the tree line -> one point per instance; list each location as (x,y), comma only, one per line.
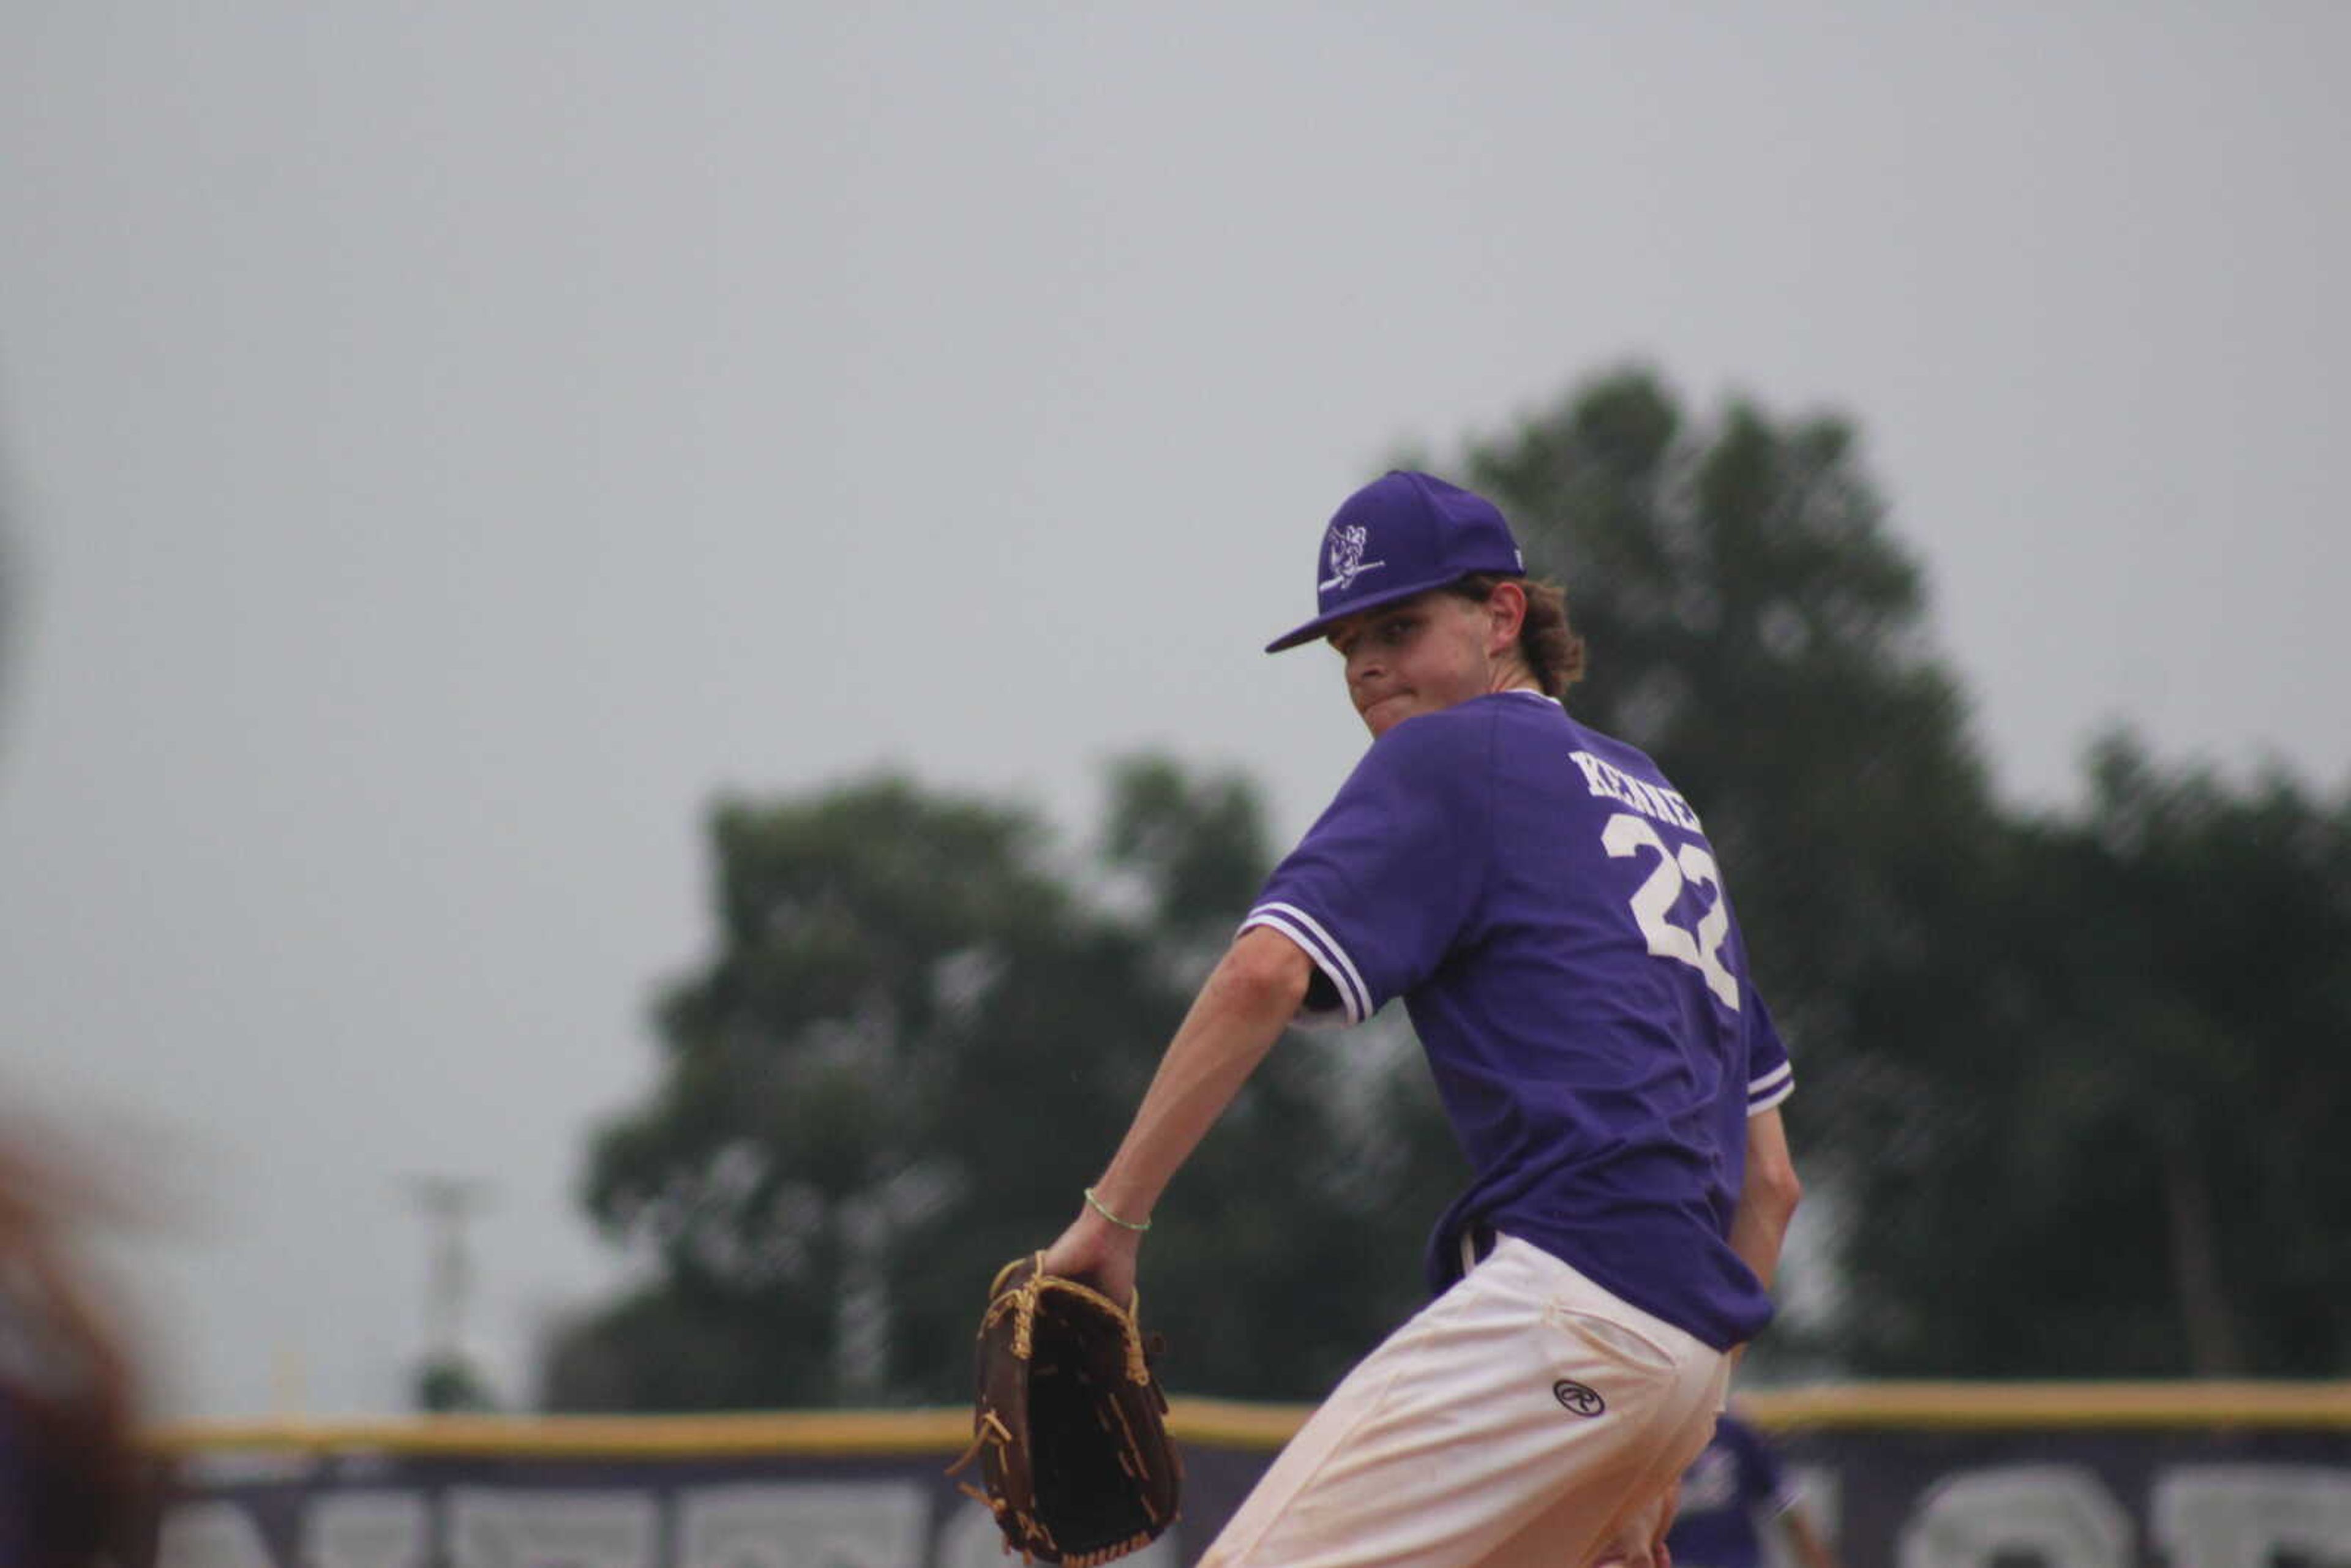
(2071,1082)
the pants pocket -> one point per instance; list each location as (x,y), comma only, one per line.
(1617,1344)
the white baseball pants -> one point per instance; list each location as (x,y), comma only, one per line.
(1525,1418)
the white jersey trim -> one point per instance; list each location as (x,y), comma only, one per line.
(1768,1091)
(1302,928)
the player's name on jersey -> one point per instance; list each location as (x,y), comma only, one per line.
(1649,800)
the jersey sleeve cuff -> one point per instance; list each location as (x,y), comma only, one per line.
(1354,997)
(1768,1091)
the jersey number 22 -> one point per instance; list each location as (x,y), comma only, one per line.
(1653,902)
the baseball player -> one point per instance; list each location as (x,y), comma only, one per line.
(1549,909)
(1734,1488)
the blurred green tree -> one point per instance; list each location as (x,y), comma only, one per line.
(915,1041)
(2140,1171)
(451,1384)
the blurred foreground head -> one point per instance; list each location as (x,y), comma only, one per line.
(74,1487)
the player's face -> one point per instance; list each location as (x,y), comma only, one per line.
(1415,657)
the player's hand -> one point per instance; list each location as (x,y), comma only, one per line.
(1641,1543)
(1668,1507)
(1097,1252)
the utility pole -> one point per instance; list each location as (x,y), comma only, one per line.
(447,1379)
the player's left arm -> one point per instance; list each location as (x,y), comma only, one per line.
(1768,1196)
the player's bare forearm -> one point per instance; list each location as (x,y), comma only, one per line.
(1242,1009)
(1767,1197)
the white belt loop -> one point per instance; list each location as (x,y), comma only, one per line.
(1468,1247)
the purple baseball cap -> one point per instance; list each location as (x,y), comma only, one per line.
(1404,533)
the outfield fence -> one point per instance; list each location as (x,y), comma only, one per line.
(1922,1475)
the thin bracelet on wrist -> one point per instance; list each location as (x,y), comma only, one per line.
(1096,1204)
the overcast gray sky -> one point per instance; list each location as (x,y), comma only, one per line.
(446,443)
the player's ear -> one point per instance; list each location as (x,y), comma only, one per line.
(1506,612)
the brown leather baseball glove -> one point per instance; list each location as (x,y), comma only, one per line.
(1069,1423)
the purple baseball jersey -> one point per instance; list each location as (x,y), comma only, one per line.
(1549,909)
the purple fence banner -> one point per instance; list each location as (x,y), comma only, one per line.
(1897,1476)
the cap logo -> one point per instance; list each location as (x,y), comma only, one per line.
(1347,562)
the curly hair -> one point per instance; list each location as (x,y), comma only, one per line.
(1553,652)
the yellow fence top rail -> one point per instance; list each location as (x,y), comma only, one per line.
(1941,1406)
(2028,1406)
